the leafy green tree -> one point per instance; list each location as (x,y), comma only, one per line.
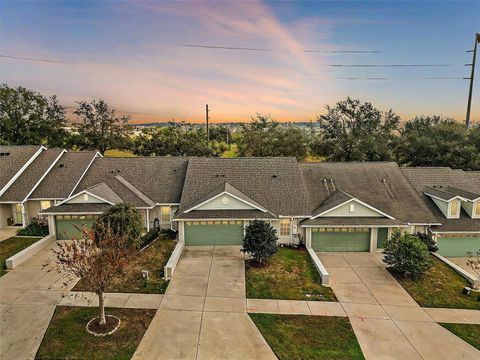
(407,255)
(260,241)
(356,131)
(437,141)
(102,128)
(264,136)
(29,118)
(177,139)
(124,220)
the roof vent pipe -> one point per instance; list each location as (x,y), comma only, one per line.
(326,186)
(333,184)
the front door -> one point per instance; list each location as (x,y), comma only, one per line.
(17,214)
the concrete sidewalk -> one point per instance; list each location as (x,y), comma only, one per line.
(387,321)
(203,313)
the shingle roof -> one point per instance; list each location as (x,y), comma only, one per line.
(17,157)
(77,208)
(26,182)
(379,184)
(103,191)
(158,178)
(421,177)
(225,214)
(227,187)
(352,221)
(441,193)
(63,177)
(274,182)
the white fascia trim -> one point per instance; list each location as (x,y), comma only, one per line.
(455,232)
(72,213)
(221,194)
(167,204)
(349,226)
(97,154)
(10,202)
(22,169)
(42,199)
(360,202)
(222,219)
(447,201)
(424,224)
(45,174)
(84,192)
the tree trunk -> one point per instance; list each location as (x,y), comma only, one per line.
(101,307)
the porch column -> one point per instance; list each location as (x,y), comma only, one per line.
(308,237)
(24,215)
(51,224)
(373,239)
(181,231)
(148,220)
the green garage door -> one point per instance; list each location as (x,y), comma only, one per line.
(458,246)
(214,233)
(66,226)
(351,240)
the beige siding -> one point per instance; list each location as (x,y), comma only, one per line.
(359,210)
(5,213)
(225,202)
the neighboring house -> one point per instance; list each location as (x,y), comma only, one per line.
(355,206)
(220,196)
(453,196)
(152,184)
(34,177)
(328,206)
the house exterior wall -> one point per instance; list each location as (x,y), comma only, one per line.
(5,213)
(85,198)
(359,210)
(442,205)
(33,208)
(225,202)
(156,213)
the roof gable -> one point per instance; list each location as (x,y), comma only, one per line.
(226,197)
(97,194)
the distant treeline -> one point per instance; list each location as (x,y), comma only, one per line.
(351,130)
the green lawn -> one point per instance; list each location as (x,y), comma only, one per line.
(468,332)
(12,246)
(67,338)
(154,258)
(440,286)
(308,337)
(289,275)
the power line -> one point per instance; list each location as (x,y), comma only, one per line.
(267,49)
(387,65)
(30,58)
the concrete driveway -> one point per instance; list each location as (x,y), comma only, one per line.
(8,232)
(388,323)
(28,295)
(203,313)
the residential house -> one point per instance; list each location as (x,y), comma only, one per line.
(453,196)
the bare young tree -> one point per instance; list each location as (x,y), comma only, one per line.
(96,260)
(473,262)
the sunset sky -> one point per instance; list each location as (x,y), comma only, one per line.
(130,54)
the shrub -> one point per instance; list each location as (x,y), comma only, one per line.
(407,255)
(169,233)
(427,240)
(260,241)
(149,236)
(37,227)
(124,220)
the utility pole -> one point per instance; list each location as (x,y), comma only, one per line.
(470,91)
(206,119)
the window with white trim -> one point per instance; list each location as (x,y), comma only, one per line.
(45,204)
(454,208)
(165,213)
(476,207)
(285,227)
